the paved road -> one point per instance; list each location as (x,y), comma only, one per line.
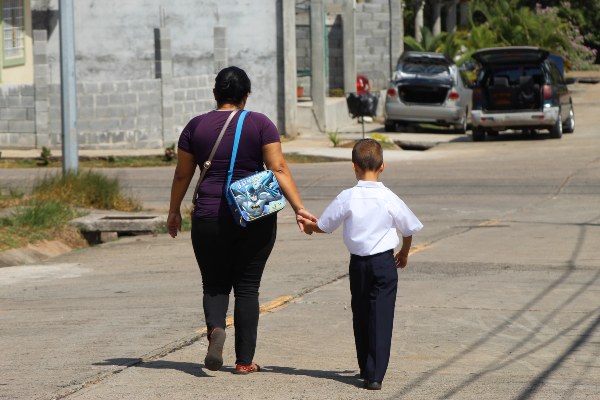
(501,301)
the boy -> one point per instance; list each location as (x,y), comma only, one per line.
(371,213)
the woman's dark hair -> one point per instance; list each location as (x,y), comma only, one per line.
(231,86)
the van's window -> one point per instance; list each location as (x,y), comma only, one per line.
(556,75)
(514,74)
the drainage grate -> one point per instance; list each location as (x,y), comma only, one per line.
(414,145)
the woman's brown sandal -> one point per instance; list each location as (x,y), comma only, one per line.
(246,369)
(214,356)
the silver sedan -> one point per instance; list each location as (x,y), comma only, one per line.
(427,88)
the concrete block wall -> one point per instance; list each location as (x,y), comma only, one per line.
(115,40)
(334,49)
(17,116)
(117,114)
(372,42)
(193,96)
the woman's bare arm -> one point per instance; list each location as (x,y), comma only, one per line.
(184,171)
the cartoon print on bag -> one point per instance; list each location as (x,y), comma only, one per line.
(254,197)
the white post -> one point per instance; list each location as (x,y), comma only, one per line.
(68,84)
(419,10)
(349,36)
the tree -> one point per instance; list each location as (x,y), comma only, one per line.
(450,44)
(582,15)
(514,22)
(428,42)
(522,26)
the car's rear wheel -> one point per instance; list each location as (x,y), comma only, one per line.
(390,126)
(478,134)
(462,128)
(557,130)
(569,126)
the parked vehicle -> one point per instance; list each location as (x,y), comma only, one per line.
(520,88)
(427,88)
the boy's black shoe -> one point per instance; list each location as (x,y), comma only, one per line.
(372,385)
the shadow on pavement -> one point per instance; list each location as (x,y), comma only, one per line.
(194,369)
(338,376)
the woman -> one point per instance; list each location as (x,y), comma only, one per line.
(230,256)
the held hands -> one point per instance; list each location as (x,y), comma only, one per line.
(304,219)
(309,226)
(174,223)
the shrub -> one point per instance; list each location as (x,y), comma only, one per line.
(170,153)
(334,138)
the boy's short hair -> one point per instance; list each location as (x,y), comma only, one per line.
(367,155)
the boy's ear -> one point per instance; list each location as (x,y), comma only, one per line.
(382,167)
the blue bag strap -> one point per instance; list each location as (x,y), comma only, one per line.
(236,142)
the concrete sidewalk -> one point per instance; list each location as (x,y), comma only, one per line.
(309,143)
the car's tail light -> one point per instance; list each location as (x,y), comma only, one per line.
(477,95)
(454,96)
(547,92)
(392,92)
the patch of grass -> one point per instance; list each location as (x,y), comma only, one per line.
(41,214)
(37,220)
(384,141)
(10,197)
(86,189)
(45,214)
(92,162)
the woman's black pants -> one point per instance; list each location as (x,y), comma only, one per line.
(233,257)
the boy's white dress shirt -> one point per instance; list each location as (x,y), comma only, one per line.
(371,213)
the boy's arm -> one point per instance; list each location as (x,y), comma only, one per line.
(402,255)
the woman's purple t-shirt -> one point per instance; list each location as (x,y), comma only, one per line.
(199,137)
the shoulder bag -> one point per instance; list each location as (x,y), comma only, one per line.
(255,196)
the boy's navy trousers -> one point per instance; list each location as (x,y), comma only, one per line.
(373,285)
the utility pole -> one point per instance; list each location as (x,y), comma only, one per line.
(68,84)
